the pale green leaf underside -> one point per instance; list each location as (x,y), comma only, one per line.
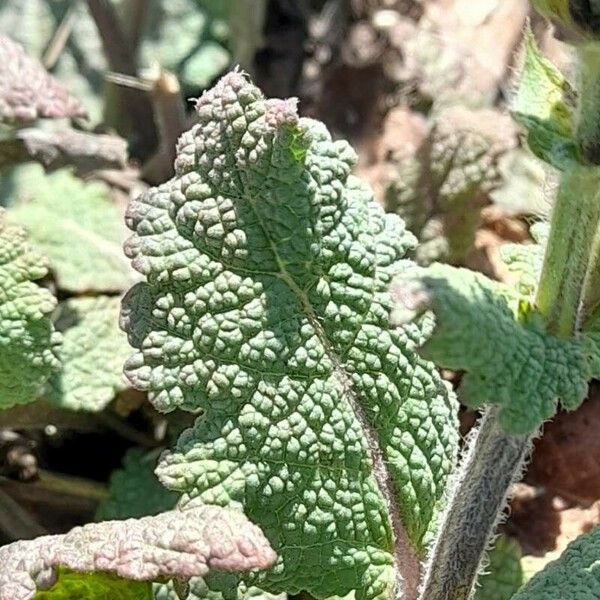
(490,331)
(503,575)
(543,104)
(92,354)
(80,229)
(134,490)
(266,301)
(28,342)
(574,575)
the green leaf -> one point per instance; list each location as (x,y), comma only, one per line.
(575,575)
(95,586)
(526,260)
(175,544)
(544,105)
(440,188)
(492,332)
(216,586)
(79,228)
(134,490)
(503,575)
(92,354)
(266,306)
(28,342)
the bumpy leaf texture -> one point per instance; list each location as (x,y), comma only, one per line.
(575,575)
(493,333)
(135,491)
(80,229)
(174,544)
(27,91)
(28,342)
(92,354)
(266,306)
(217,586)
(440,189)
(503,575)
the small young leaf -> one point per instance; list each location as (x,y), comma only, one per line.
(28,342)
(492,332)
(575,575)
(173,544)
(92,354)
(79,228)
(525,260)
(544,105)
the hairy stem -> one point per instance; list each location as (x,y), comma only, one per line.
(570,248)
(588,127)
(493,461)
(588,137)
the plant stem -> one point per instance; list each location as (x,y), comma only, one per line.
(588,127)
(588,137)
(570,250)
(493,461)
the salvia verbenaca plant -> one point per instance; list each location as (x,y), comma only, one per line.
(279,303)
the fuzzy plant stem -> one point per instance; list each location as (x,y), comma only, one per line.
(494,459)
(588,127)
(570,251)
(588,138)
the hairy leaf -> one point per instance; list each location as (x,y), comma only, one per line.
(27,91)
(440,189)
(134,490)
(524,189)
(576,574)
(544,105)
(79,228)
(173,544)
(526,260)
(28,342)
(503,575)
(216,586)
(92,354)
(266,306)
(492,332)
